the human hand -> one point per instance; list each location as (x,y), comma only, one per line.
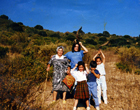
(80,43)
(48,69)
(85,64)
(76,65)
(51,56)
(99,51)
(68,71)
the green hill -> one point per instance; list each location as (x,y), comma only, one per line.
(25,51)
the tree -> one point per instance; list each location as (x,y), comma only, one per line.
(126,36)
(3,51)
(70,37)
(42,33)
(16,27)
(106,34)
(39,27)
(4,17)
(100,34)
(91,41)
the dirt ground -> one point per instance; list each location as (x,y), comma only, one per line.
(122,91)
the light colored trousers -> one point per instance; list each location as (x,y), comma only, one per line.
(92,87)
(101,85)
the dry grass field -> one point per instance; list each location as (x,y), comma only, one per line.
(122,91)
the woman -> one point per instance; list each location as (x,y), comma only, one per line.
(61,66)
(75,56)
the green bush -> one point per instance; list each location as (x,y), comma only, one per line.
(129,57)
(55,35)
(16,49)
(3,51)
(91,41)
(123,67)
(137,71)
(4,17)
(42,33)
(39,27)
(70,37)
(106,33)
(16,27)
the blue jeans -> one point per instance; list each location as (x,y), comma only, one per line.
(92,87)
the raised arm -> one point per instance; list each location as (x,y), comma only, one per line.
(74,67)
(103,57)
(96,55)
(87,69)
(85,49)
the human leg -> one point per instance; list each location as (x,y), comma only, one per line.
(104,89)
(64,97)
(87,102)
(94,94)
(99,93)
(75,102)
(54,95)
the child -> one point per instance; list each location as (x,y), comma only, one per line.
(82,87)
(92,85)
(101,81)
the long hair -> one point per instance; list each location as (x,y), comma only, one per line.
(79,48)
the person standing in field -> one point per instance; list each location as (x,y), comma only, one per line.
(102,80)
(82,91)
(61,69)
(92,84)
(75,56)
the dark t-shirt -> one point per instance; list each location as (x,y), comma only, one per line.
(91,77)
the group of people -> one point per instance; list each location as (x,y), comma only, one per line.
(87,80)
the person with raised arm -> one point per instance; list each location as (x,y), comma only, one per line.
(102,80)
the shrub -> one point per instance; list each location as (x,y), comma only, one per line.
(31,31)
(123,67)
(70,37)
(15,49)
(4,17)
(129,57)
(106,33)
(100,34)
(42,33)
(56,35)
(16,27)
(3,51)
(91,41)
(39,27)
(137,71)
(102,40)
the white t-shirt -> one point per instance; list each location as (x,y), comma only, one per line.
(57,57)
(101,69)
(79,76)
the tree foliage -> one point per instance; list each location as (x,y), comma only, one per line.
(4,17)
(39,27)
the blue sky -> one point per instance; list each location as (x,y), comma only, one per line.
(120,17)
